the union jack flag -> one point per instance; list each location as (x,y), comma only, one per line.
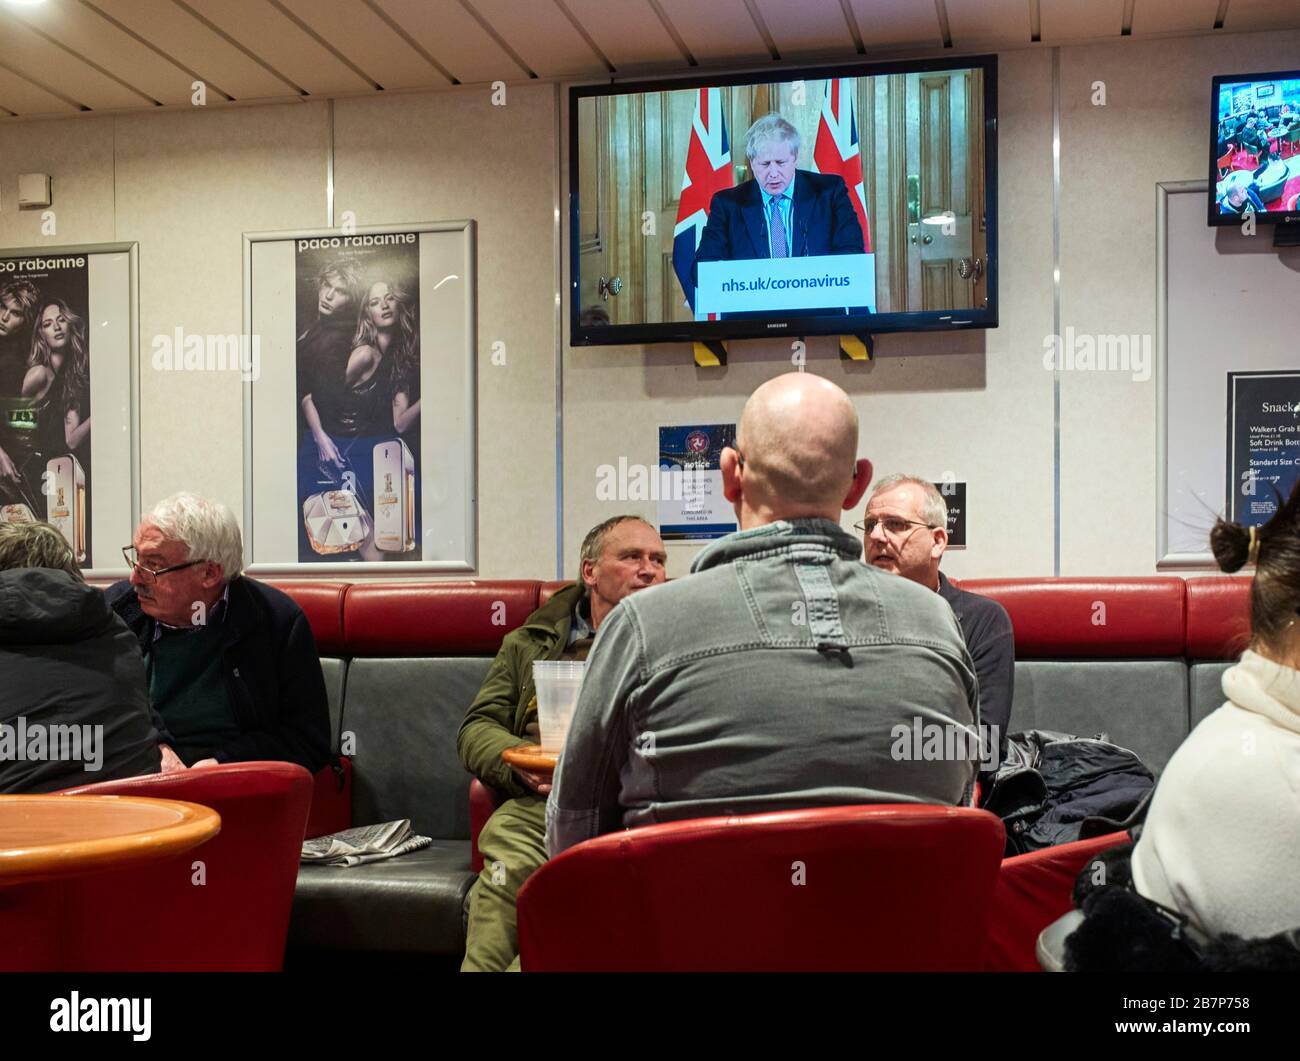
(836,149)
(708,169)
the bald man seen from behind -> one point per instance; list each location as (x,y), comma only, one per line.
(784,672)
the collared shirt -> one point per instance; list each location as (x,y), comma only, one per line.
(218,616)
(787,209)
(581,626)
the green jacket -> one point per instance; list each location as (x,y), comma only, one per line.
(506,703)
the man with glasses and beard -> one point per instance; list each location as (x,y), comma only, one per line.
(232,665)
(905,533)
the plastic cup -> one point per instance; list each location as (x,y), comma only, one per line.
(557,682)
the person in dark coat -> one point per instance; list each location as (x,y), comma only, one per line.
(75,708)
(232,663)
(906,533)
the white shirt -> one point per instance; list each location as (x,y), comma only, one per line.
(1222,839)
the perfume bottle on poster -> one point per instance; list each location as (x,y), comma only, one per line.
(65,501)
(336,522)
(394,497)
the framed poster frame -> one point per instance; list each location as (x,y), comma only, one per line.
(1208,280)
(120,386)
(458,483)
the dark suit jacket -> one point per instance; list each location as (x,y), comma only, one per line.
(271,670)
(823,221)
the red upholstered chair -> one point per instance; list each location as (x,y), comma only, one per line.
(331,799)
(159,917)
(1033,891)
(883,887)
(483,801)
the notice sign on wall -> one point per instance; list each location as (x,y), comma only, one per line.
(691,505)
(1263,443)
(954,496)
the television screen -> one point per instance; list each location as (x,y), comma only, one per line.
(1255,148)
(831,200)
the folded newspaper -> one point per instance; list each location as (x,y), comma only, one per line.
(367,843)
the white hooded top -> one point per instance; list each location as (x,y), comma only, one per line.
(1222,839)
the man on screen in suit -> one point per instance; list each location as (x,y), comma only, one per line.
(781,212)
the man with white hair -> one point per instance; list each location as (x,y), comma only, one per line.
(781,211)
(780,674)
(232,664)
(905,533)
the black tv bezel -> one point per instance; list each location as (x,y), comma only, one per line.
(794,326)
(1266,217)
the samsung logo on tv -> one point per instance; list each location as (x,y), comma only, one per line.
(779,324)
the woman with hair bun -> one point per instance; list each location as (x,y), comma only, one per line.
(1221,843)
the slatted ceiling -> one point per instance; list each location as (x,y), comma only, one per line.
(1244,16)
(991,20)
(173,30)
(894,23)
(354,31)
(629,33)
(716,31)
(1072,20)
(80,28)
(280,43)
(20,96)
(813,27)
(456,39)
(1173,16)
(125,54)
(543,37)
(30,54)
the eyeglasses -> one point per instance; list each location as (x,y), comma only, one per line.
(895,526)
(148,573)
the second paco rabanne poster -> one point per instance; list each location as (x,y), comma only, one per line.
(358,402)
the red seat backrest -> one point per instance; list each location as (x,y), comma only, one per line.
(1218,617)
(1090,618)
(322,603)
(883,887)
(160,917)
(547,590)
(434,618)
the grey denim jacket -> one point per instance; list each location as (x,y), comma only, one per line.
(783,673)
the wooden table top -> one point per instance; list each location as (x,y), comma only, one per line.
(531,757)
(46,837)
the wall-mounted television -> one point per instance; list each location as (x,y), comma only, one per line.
(1255,149)
(817,201)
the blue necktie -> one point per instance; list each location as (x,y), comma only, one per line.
(779,249)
